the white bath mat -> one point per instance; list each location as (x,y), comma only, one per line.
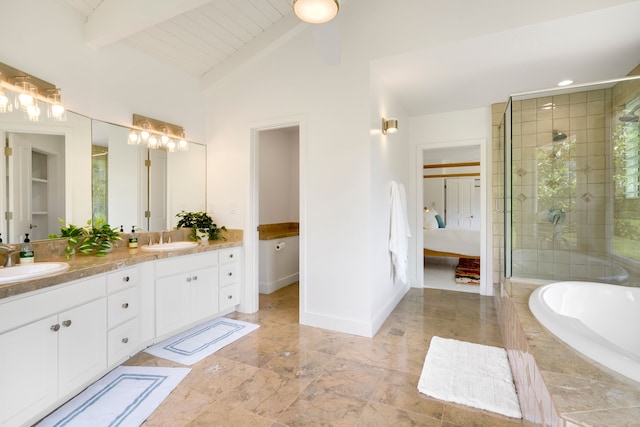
(200,341)
(125,396)
(470,374)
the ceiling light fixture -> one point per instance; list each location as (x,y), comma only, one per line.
(316,11)
(565,83)
(389,126)
(157,134)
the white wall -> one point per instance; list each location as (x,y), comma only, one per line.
(279,168)
(447,130)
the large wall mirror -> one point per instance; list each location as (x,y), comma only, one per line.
(83,169)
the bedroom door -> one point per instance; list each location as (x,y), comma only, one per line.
(462,203)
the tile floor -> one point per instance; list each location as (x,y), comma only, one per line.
(286,374)
(439,273)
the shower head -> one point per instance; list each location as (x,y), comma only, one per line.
(559,136)
(629,117)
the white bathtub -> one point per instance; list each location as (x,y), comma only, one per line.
(598,320)
(566,265)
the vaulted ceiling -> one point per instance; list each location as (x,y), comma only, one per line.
(210,38)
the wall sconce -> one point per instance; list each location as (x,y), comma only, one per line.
(389,126)
(157,135)
(27,91)
(316,11)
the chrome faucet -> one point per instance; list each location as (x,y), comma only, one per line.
(162,236)
(10,250)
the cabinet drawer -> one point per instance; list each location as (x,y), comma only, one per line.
(229,255)
(229,274)
(122,306)
(122,279)
(123,341)
(185,264)
(229,297)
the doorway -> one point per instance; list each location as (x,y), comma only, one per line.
(451,185)
(277,211)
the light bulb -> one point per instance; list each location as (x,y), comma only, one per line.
(133,138)
(26,100)
(171,146)
(4,103)
(164,139)
(144,135)
(182,145)
(153,142)
(56,112)
(33,113)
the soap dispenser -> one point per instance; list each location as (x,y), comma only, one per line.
(133,239)
(26,252)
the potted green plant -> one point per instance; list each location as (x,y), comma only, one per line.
(97,238)
(201,224)
(72,233)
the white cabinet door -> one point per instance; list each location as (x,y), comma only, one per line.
(204,293)
(172,303)
(82,344)
(28,371)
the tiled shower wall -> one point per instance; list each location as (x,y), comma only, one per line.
(584,118)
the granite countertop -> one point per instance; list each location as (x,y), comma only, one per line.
(583,391)
(82,266)
(278,230)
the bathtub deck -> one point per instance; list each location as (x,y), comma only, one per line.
(559,386)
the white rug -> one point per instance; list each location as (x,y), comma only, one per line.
(125,396)
(470,374)
(200,341)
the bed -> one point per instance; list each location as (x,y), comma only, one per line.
(452,242)
(442,241)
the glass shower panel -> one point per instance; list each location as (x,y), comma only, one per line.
(575,193)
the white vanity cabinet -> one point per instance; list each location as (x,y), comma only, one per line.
(229,280)
(123,307)
(52,343)
(186,291)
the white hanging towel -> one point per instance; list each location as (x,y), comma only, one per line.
(400,232)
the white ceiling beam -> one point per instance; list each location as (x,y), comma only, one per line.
(269,40)
(115,20)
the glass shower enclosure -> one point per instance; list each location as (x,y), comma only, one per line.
(571,184)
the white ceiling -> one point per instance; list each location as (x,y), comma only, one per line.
(202,37)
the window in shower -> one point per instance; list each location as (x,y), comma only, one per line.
(626,181)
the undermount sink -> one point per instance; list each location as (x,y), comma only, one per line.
(31,271)
(173,246)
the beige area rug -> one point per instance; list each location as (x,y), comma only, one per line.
(470,374)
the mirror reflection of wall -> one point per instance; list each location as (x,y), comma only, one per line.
(99,182)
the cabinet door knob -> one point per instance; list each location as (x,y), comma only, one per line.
(195,277)
(230,274)
(125,340)
(66,323)
(125,305)
(230,255)
(126,278)
(55,328)
(229,296)
(188,279)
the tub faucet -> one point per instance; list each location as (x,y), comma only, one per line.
(10,250)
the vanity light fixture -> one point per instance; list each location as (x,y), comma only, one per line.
(22,91)
(389,126)
(157,134)
(316,11)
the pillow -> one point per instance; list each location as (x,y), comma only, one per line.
(440,221)
(429,221)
